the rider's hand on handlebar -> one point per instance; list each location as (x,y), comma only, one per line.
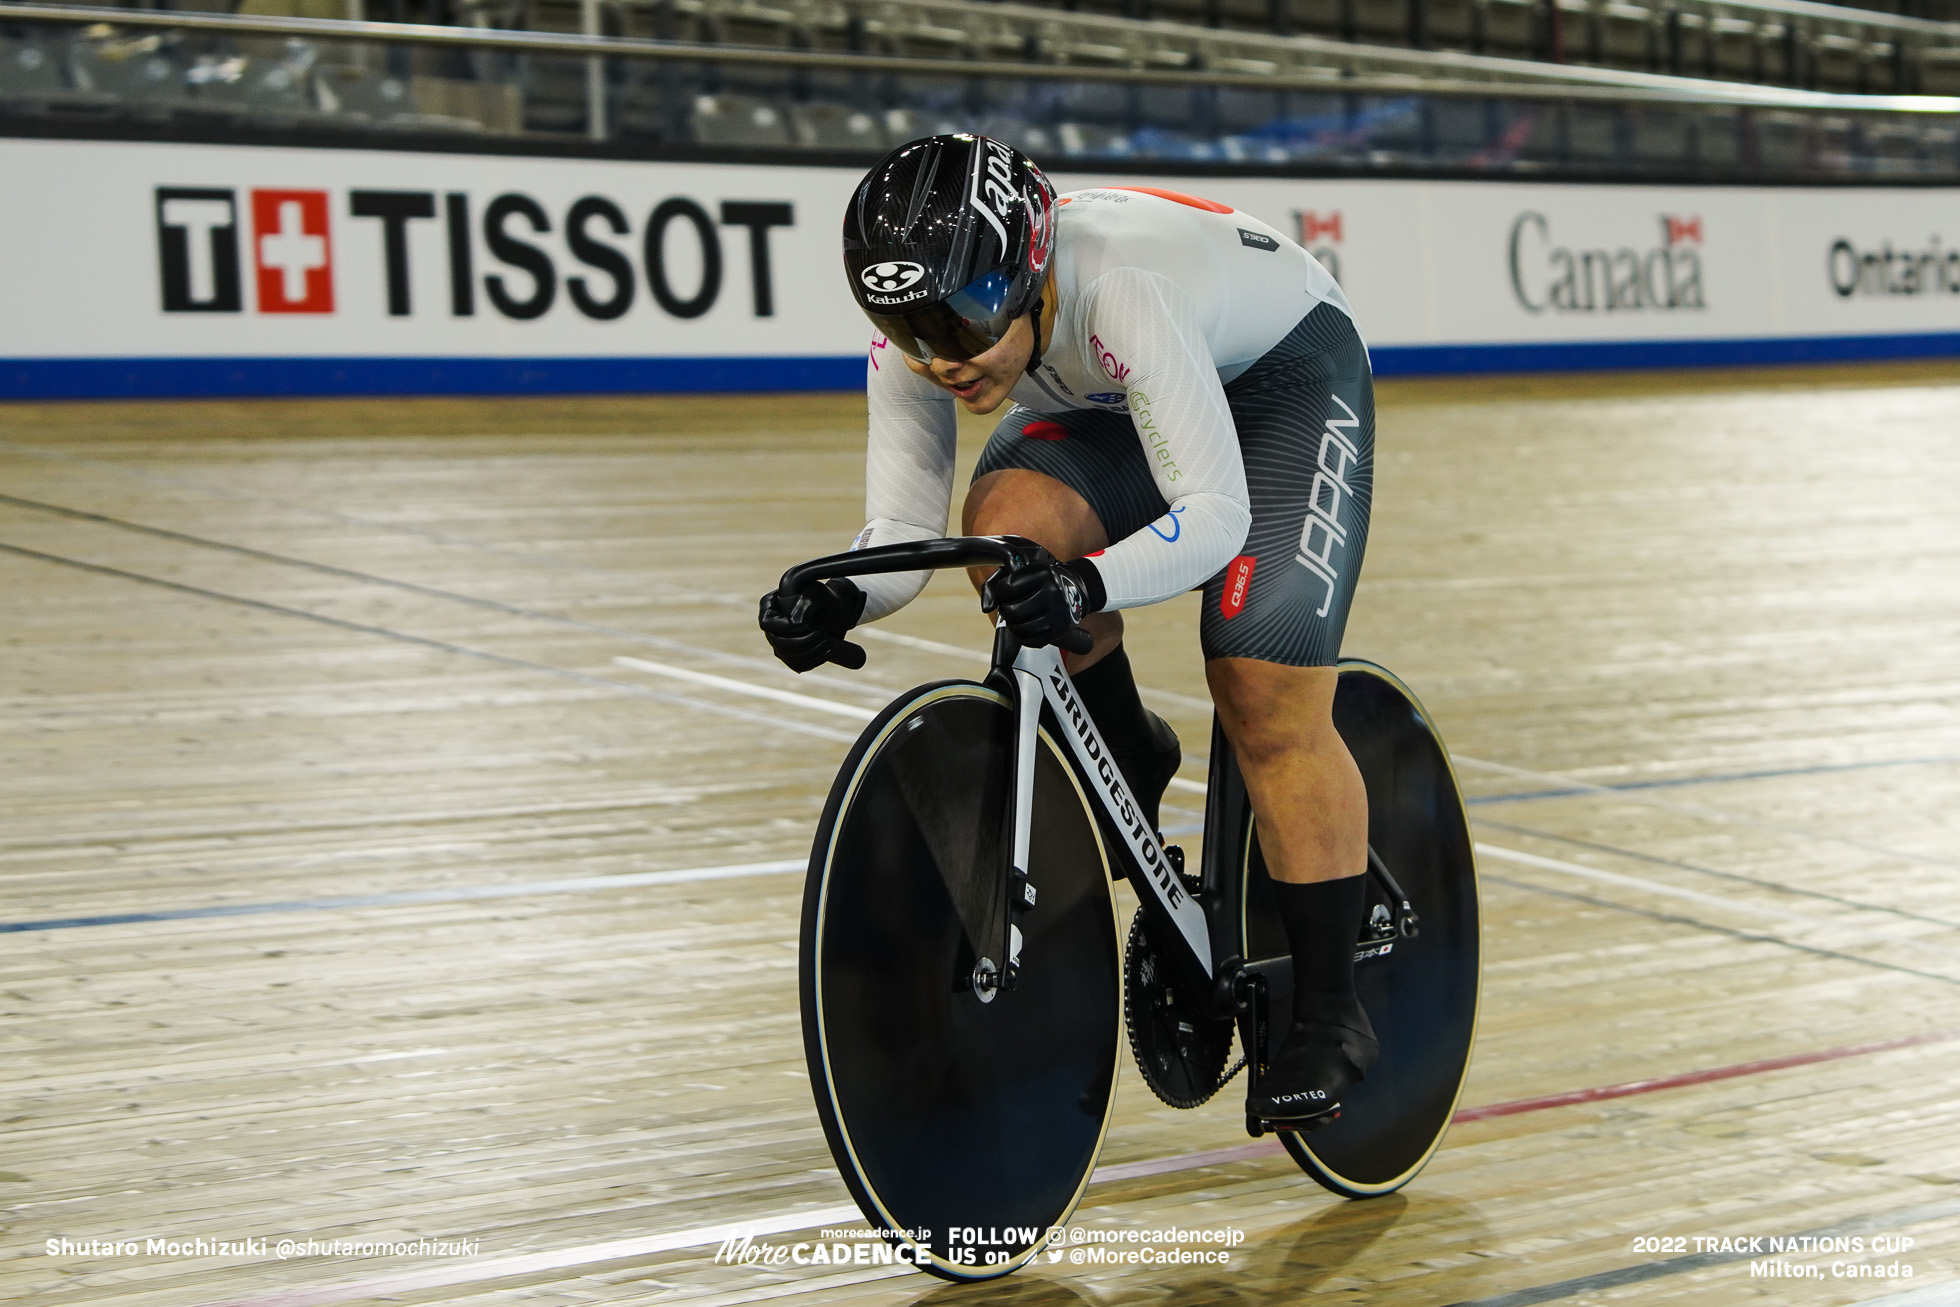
(1042,602)
(806,627)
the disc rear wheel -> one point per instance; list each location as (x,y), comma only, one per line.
(1421,991)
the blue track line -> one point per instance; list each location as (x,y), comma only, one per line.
(1720,778)
(521,889)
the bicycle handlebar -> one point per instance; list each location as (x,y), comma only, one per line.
(915,556)
(920,555)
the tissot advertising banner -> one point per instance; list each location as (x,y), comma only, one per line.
(137,268)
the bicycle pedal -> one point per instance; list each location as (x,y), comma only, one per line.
(1309,1125)
(1257,1126)
(1174,854)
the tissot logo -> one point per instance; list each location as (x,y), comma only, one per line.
(892,277)
(1606,279)
(294,251)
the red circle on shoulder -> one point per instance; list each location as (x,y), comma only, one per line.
(1177,197)
(1045,431)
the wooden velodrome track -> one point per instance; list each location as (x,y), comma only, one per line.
(331,868)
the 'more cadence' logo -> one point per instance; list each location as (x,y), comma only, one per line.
(1660,278)
(206,236)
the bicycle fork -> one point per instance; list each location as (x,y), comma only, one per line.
(1037,677)
(1020,891)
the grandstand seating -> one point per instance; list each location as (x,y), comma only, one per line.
(1827,47)
(1361,119)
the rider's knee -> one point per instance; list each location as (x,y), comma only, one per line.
(1271,742)
(1275,714)
(1016,501)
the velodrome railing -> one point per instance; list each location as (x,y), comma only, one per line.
(205,76)
(1780,42)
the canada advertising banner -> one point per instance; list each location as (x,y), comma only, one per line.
(134,269)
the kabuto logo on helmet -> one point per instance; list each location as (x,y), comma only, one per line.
(892,277)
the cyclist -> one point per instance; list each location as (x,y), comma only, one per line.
(1190,405)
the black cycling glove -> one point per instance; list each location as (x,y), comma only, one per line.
(1042,602)
(806,627)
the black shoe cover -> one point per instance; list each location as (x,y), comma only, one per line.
(1325,1054)
(1149,773)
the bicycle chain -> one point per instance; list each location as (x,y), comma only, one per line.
(1143,1000)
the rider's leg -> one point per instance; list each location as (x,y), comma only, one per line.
(1018,501)
(1304,786)
(1313,828)
(1272,625)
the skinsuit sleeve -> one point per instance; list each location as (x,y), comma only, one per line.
(1145,335)
(908,476)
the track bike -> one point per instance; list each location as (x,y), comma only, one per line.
(965,985)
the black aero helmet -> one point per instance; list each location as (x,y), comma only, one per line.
(947,242)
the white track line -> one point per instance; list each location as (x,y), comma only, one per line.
(733,686)
(1584,872)
(703,1236)
(1185,702)
(1865,937)
(1190,787)
(503,1268)
(869,688)
(923,646)
(794,699)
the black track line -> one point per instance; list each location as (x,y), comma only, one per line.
(403,637)
(1733,933)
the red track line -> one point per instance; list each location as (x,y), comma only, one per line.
(524,1265)
(1632,1087)
(1256,1151)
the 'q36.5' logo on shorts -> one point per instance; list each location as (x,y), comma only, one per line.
(892,277)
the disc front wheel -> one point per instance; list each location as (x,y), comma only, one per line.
(965,1119)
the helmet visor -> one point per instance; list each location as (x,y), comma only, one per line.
(970,321)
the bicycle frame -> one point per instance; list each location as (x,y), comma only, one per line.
(1039,677)
(1029,678)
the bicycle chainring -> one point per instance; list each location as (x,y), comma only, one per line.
(1178,1045)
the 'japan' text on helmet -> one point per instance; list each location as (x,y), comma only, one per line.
(947,242)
